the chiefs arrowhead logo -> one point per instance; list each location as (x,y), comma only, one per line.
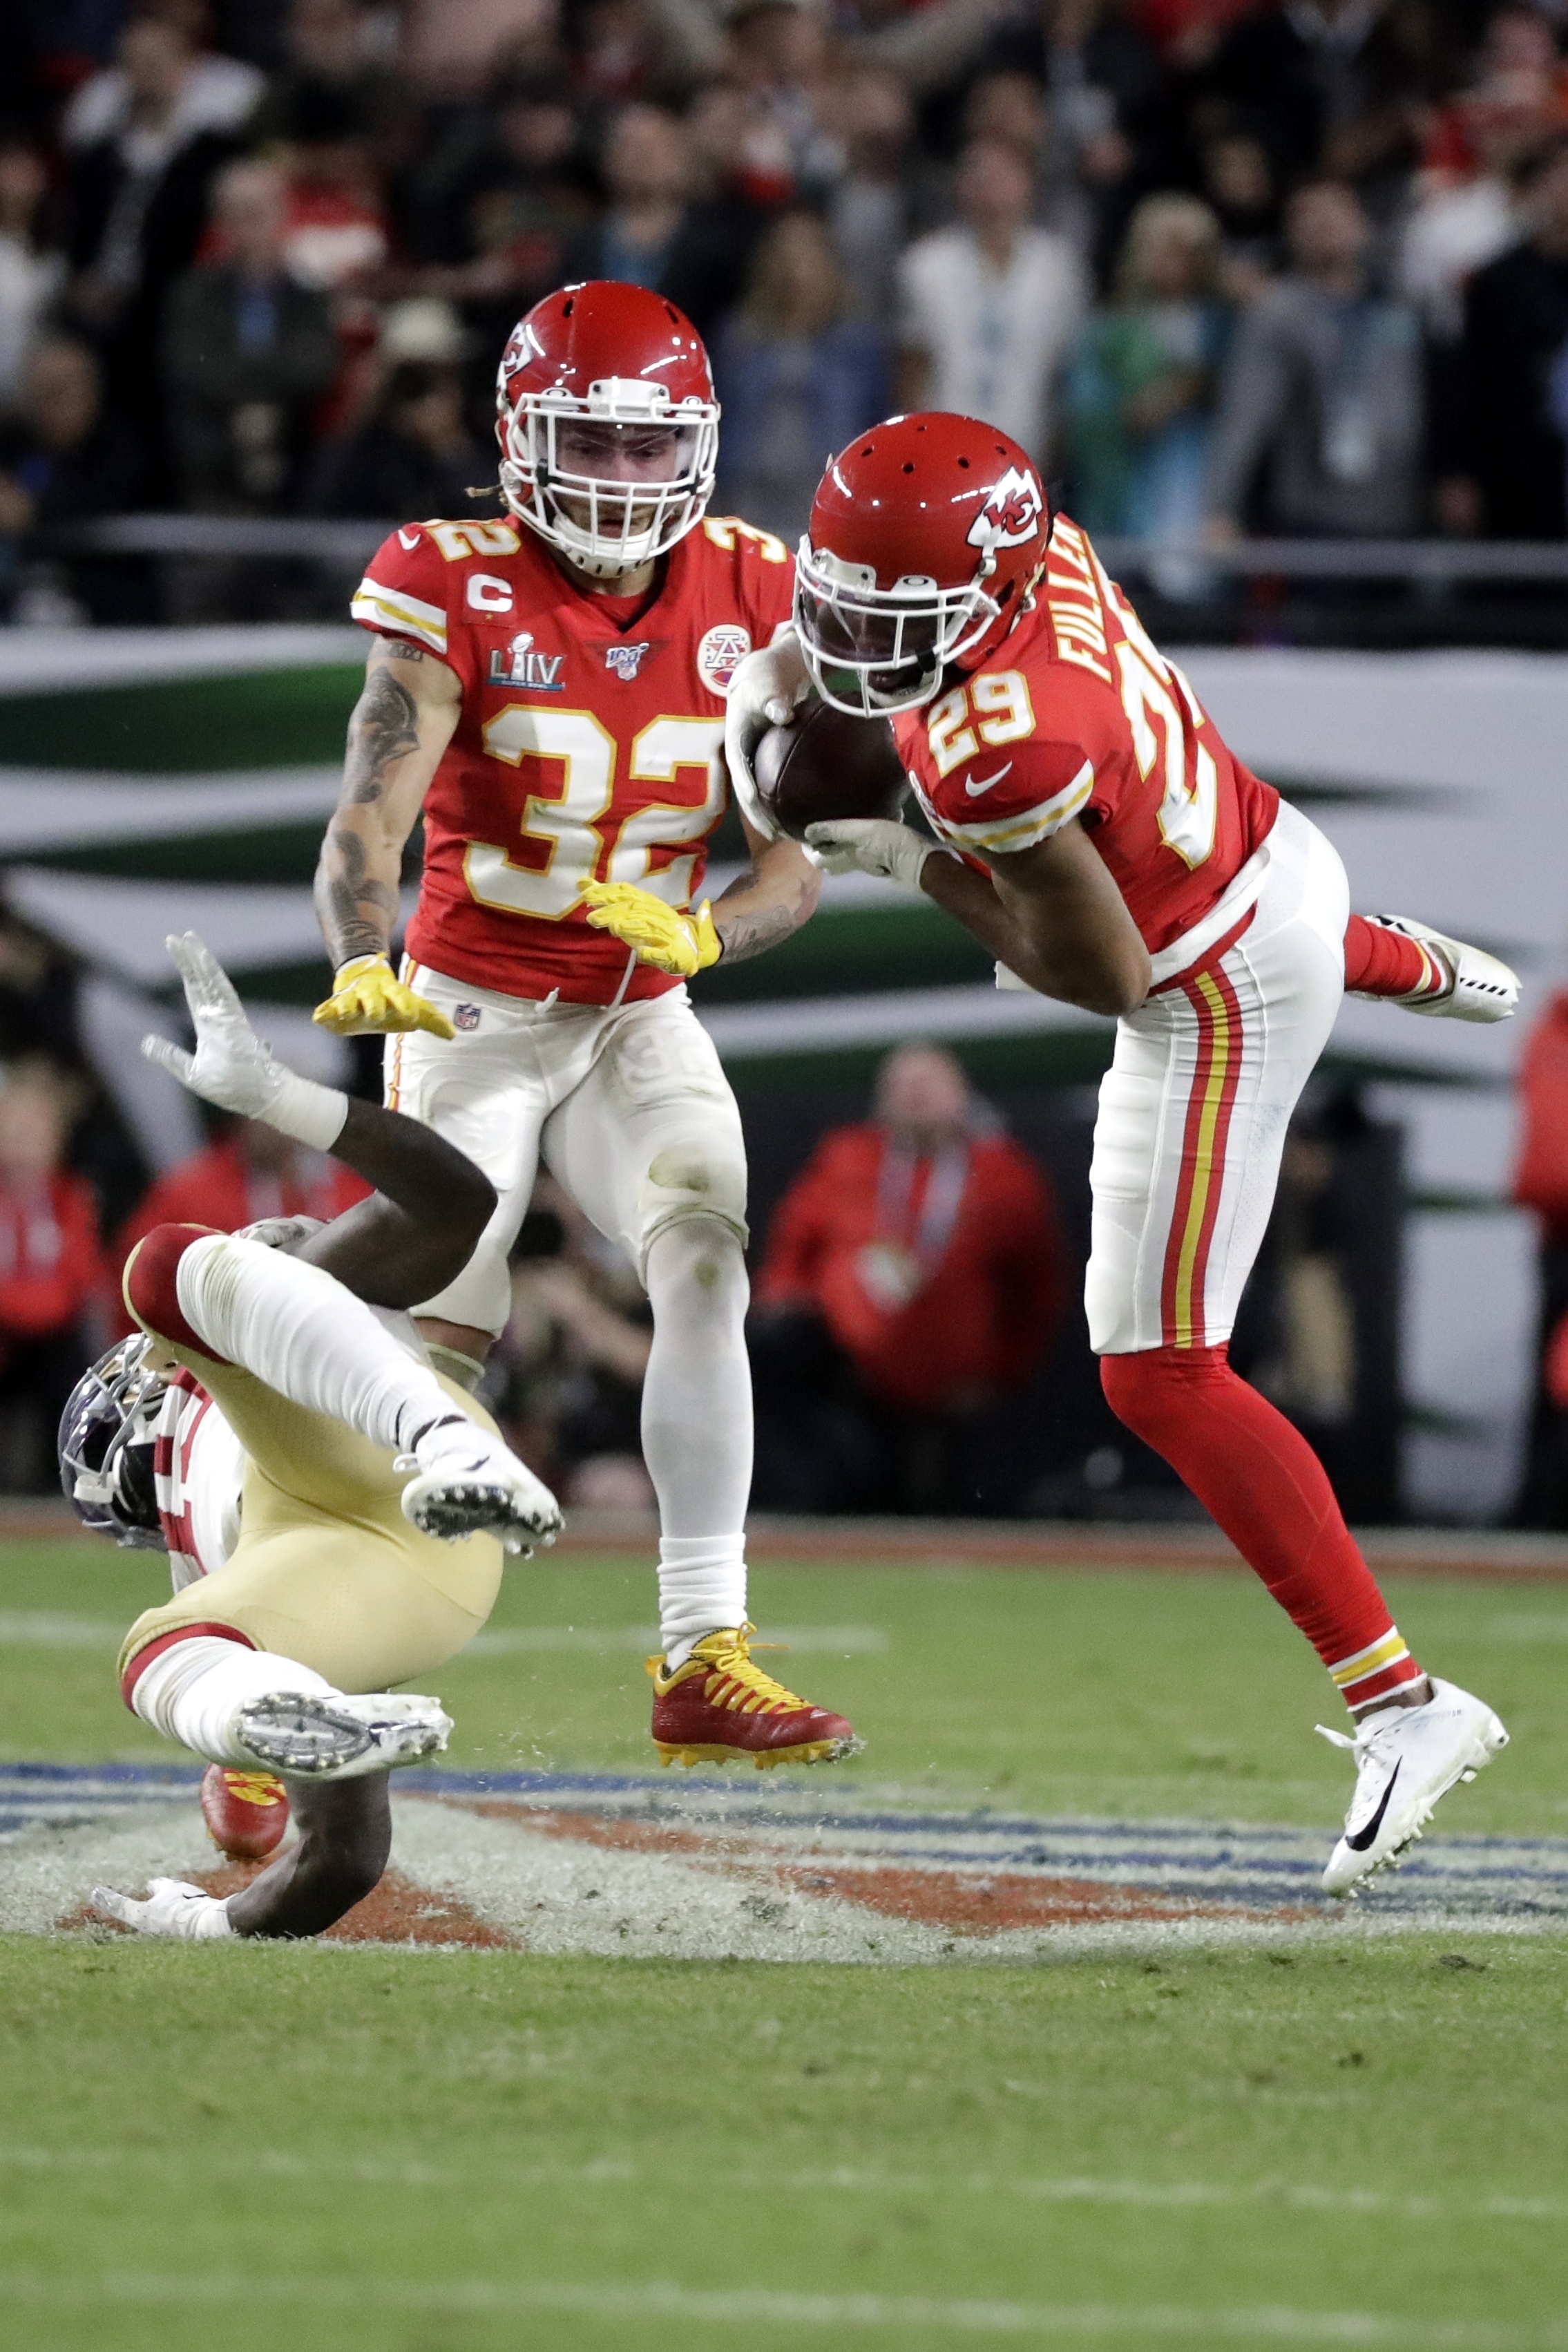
(1011,515)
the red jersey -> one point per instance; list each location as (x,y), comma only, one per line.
(936,1276)
(1076,714)
(590,744)
(51,1262)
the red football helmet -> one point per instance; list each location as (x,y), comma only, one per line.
(608,425)
(926,535)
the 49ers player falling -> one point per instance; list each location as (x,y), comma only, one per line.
(1111,850)
(550,691)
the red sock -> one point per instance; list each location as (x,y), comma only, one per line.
(1380,963)
(1260,1480)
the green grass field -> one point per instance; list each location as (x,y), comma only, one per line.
(259,2147)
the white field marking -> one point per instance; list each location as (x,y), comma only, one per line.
(659,2299)
(499,1640)
(1182,2196)
(55,1629)
(48,1871)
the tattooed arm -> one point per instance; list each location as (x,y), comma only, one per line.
(402,724)
(764,905)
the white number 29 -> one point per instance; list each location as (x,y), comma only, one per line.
(1188,813)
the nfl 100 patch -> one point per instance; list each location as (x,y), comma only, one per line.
(626,660)
(720,655)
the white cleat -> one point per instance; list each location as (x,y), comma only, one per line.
(1481,987)
(468,1480)
(172,1908)
(328,1736)
(1405,1758)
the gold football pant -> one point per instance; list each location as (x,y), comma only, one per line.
(327,1570)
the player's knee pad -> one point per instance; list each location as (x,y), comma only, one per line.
(703,1178)
(152,1284)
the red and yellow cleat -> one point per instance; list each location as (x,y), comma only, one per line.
(718,1708)
(246,1812)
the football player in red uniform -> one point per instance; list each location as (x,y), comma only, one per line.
(1098,835)
(549,691)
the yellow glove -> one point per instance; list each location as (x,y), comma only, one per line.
(668,940)
(367,1000)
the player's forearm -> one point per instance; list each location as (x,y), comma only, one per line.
(766,904)
(972,899)
(419,1230)
(400,726)
(357,888)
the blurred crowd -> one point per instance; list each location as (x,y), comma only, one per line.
(1224,265)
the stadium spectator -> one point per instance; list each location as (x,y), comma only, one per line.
(66,458)
(1141,395)
(797,377)
(247,353)
(1239,187)
(886,192)
(498,193)
(913,1275)
(659,230)
(778,59)
(52,1274)
(1322,405)
(1504,464)
(1341,87)
(145,140)
(992,307)
(30,274)
(1540,1184)
(330,47)
(413,455)
(249,1172)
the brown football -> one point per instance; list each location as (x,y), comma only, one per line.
(826,764)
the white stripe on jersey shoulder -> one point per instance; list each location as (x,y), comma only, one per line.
(1024,827)
(406,615)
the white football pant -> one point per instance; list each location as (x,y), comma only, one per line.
(1194,1108)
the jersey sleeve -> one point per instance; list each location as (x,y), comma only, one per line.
(1003,801)
(404,592)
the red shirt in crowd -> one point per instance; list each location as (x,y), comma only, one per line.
(51,1260)
(939,1277)
(1540,1180)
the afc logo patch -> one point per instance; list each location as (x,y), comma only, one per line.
(466,1016)
(720,655)
(625,660)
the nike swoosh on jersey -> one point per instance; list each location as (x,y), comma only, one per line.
(406,541)
(974,788)
(1363,1837)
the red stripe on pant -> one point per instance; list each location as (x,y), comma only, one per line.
(137,1666)
(1261,1481)
(1205,1140)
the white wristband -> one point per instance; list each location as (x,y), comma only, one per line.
(313,1115)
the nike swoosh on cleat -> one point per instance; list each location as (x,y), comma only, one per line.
(1362,1838)
(975,788)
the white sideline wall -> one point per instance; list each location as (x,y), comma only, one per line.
(1483,738)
